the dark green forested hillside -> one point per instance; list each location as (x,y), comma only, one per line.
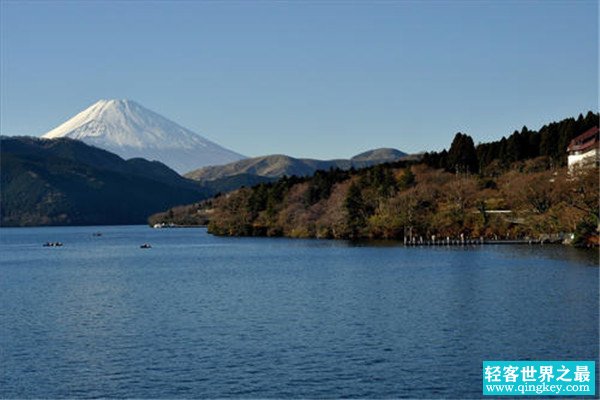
(66,182)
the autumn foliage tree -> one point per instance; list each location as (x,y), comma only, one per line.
(523,194)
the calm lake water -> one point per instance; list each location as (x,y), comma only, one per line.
(202,316)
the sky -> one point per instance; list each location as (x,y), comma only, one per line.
(320,79)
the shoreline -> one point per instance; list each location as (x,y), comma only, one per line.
(547,239)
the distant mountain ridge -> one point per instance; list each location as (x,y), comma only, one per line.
(66,182)
(384,154)
(278,165)
(130,130)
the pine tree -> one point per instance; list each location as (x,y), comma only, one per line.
(354,205)
(462,156)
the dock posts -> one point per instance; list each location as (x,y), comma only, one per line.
(461,240)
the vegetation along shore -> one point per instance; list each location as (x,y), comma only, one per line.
(517,188)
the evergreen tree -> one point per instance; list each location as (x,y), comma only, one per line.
(407,179)
(354,205)
(462,156)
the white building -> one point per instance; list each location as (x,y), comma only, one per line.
(583,150)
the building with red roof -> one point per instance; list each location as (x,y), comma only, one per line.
(583,150)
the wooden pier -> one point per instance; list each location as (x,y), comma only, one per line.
(419,241)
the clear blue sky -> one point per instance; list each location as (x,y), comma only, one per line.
(321,79)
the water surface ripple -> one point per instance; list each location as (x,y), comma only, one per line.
(202,316)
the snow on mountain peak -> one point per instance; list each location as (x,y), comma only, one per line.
(130,130)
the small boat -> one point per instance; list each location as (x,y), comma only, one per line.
(52,244)
(97,234)
(145,246)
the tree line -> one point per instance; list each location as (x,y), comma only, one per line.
(473,191)
(492,158)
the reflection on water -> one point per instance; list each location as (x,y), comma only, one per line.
(201,316)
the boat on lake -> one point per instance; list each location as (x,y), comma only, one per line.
(52,244)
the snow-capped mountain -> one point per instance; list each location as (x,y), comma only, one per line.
(128,129)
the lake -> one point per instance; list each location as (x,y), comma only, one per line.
(204,316)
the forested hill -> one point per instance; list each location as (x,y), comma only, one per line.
(530,188)
(66,182)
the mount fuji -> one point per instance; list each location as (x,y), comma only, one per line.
(130,130)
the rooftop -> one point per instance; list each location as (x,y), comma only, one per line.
(585,141)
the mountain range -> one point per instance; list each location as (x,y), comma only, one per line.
(95,168)
(276,166)
(67,182)
(130,130)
